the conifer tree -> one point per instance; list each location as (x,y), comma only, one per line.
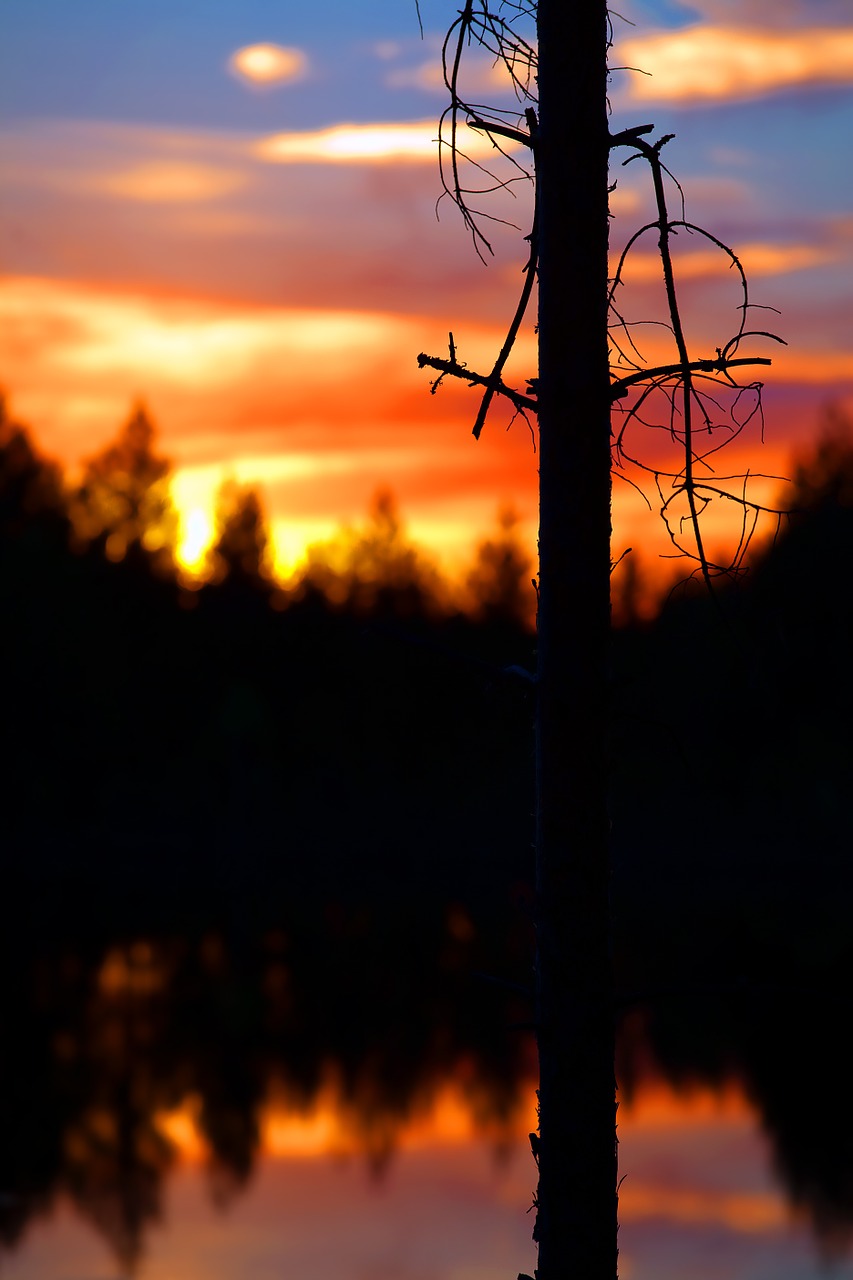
(124,497)
(241,549)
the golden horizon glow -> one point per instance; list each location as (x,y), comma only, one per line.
(708,63)
(317,409)
(268,64)
(450,543)
(194,490)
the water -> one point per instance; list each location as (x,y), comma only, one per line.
(698,1199)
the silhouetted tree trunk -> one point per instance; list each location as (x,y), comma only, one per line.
(562,76)
(576,1225)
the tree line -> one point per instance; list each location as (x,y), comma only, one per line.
(121,509)
(141,713)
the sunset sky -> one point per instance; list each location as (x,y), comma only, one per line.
(228,210)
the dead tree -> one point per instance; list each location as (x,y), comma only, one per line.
(592,391)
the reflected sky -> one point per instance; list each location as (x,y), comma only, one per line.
(698,1199)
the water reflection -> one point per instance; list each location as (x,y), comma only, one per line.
(698,1199)
(108,1051)
(350,1036)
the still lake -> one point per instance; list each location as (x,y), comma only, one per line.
(699,1199)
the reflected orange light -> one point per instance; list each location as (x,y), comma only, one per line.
(136,969)
(658,1108)
(180,1127)
(328,1127)
(315,1132)
(657,1105)
(452,1118)
(739,1211)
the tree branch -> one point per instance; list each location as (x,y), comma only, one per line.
(491,383)
(718,365)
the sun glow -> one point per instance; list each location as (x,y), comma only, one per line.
(197,535)
(316,408)
(194,493)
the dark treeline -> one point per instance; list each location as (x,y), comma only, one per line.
(156,727)
(253,834)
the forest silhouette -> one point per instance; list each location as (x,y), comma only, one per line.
(257,834)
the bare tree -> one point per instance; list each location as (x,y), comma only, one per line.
(593,393)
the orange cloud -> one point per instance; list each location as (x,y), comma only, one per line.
(264,65)
(315,407)
(713,63)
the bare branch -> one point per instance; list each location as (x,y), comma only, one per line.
(700,396)
(492,384)
(720,364)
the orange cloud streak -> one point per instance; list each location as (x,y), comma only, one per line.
(349,143)
(644,266)
(317,408)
